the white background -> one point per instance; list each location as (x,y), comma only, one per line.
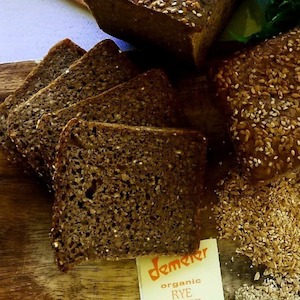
(29,28)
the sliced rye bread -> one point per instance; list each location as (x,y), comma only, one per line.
(101,68)
(126,191)
(259,91)
(146,100)
(55,62)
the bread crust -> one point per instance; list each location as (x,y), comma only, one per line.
(186,36)
(259,90)
(146,100)
(101,68)
(55,62)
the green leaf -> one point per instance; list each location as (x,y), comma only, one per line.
(280,16)
(257,20)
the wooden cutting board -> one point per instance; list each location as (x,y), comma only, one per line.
(27,268)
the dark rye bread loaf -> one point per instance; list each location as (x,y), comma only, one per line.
(260,91)
(146,100)
(126,191)
(56,61)
(101,68)
(184,29)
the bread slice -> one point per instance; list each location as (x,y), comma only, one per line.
(260,91)
(55,62)
(101,68)
(184,29)
(125,191)
(147,100)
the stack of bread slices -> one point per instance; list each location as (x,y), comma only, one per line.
(110,141)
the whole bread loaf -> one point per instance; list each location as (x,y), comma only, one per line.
(184,29)
(101,68)
(125,191)
(146,100)
(259,88)
(55,62)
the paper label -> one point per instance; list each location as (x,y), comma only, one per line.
(192,277)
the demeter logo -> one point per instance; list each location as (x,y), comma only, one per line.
(176,264)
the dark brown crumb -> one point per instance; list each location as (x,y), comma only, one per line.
(101,68)
(125,191)
(146,100)
(56,61)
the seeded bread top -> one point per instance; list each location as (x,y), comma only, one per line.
(260,90)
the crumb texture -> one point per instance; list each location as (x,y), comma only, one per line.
(56,61)
(124,191)
(146,100)
(101,68)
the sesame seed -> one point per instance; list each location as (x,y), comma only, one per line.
(262,220)
(188,12)
(267,100)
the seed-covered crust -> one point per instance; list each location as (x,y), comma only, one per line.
(146,100)
(55,62)
(101,68)
(190,12)
(124,191)
(260,90)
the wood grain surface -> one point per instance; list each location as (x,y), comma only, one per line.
(12,75)
(27,268)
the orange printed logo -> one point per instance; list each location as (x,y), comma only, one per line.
(173,265)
